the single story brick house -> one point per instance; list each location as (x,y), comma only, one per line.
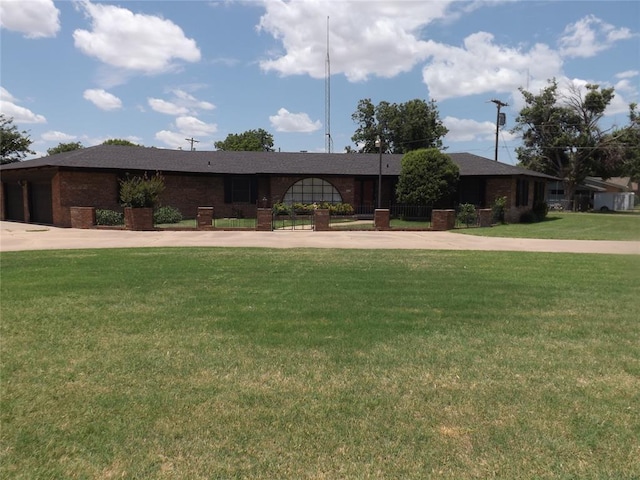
(43,190)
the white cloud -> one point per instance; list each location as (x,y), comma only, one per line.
(187,100)
(102,99)
(33,18)
(188,127)
(169,108)
(590,36)
(466,130)
(55,136)
(481,66)
(130,41)
(172,139)
(286,121)
(193,126)
(628,74)
(373,38)
(182,104)
(9,108)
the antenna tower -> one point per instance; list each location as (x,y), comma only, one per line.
(327,99)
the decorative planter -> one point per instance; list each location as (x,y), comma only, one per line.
(138,218)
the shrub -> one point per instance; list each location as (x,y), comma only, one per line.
(540,211)
(303,209)
(340,209)
(281,209)
(467,213)
(527,217)
(109,217)
(498,209)
(142,191)
(167,215)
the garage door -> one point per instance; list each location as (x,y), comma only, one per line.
(41,204)
(13,204)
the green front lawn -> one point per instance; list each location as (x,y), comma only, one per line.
(309,363)
(569,226)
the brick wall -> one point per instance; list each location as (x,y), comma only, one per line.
(506,187)
(82,189)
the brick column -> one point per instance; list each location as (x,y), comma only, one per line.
(26,204)
(443,219)
(204,219)
(264,219)
(321,220)
(382,219)
(138,218)
(83,217)
(485,216)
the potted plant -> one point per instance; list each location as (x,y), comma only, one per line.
(138,196)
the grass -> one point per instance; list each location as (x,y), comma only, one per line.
(570,226)
(249,363)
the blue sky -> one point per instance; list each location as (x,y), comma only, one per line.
(158,72)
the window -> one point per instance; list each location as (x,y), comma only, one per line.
(240,190)
(522,192)
(312,190)
(539,192)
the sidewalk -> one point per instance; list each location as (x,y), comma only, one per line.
(21,236)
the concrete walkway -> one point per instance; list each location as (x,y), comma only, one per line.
(21,236)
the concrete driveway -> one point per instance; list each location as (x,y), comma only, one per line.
(20,236)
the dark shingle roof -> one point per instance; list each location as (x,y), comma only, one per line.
(117,157)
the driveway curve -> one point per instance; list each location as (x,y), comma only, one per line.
(20,236)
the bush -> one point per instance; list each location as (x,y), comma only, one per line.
(139,192)
(109,217)
(537,214)
(527,217)
(308,209)
(340,209)
(498,209)
(467,214)
(540,211)
(281,209)
(167,215)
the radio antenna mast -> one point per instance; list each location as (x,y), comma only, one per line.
(327,98)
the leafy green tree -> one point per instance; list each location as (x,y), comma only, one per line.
(250,141)
(626,144)
(14,145)
(561,134)
(426,177)
(65,147)
(402,127)
(120,141)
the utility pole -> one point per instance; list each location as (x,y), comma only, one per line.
(500,120)
(192,141)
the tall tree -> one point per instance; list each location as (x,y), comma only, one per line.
(625,142)
(561,134)
(64,147)
(14,144)
(427,175)
(120,141)
(402,127)
(250,141)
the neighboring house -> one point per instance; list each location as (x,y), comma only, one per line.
(583,198)
(43,190)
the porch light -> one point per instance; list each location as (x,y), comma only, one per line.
(378,144)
